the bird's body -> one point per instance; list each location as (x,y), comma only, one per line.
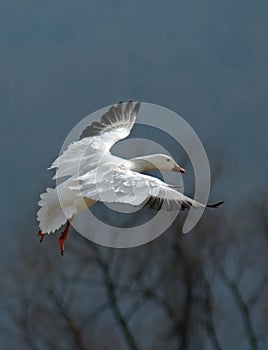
(94,174)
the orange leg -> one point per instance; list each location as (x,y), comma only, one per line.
(64,235)
(41,235)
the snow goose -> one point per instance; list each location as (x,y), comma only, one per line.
(94,174)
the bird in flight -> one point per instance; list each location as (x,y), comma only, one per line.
(94,174)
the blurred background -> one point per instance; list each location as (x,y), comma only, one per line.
(60,61)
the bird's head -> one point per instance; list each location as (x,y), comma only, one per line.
(162,162)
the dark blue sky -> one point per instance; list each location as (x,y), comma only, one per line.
(61,60)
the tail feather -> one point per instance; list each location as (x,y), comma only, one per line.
(51,216)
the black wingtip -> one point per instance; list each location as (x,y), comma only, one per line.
(154,203)
(215,205)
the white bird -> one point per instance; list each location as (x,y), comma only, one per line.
(94,174)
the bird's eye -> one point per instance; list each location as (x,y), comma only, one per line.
(168,160)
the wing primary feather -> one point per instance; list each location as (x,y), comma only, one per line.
(186,205)
(154,203)
(136,109)
(215,205)
(121,115)
(128,109)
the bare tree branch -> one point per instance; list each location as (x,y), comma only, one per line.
(243,308)
(209,322)
(63,309)
(112,297)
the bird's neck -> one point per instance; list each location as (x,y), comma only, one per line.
(140,164)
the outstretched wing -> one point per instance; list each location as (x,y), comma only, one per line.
(125,186)
(96,140)
(115,124)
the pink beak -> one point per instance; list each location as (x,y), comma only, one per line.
(178,169)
